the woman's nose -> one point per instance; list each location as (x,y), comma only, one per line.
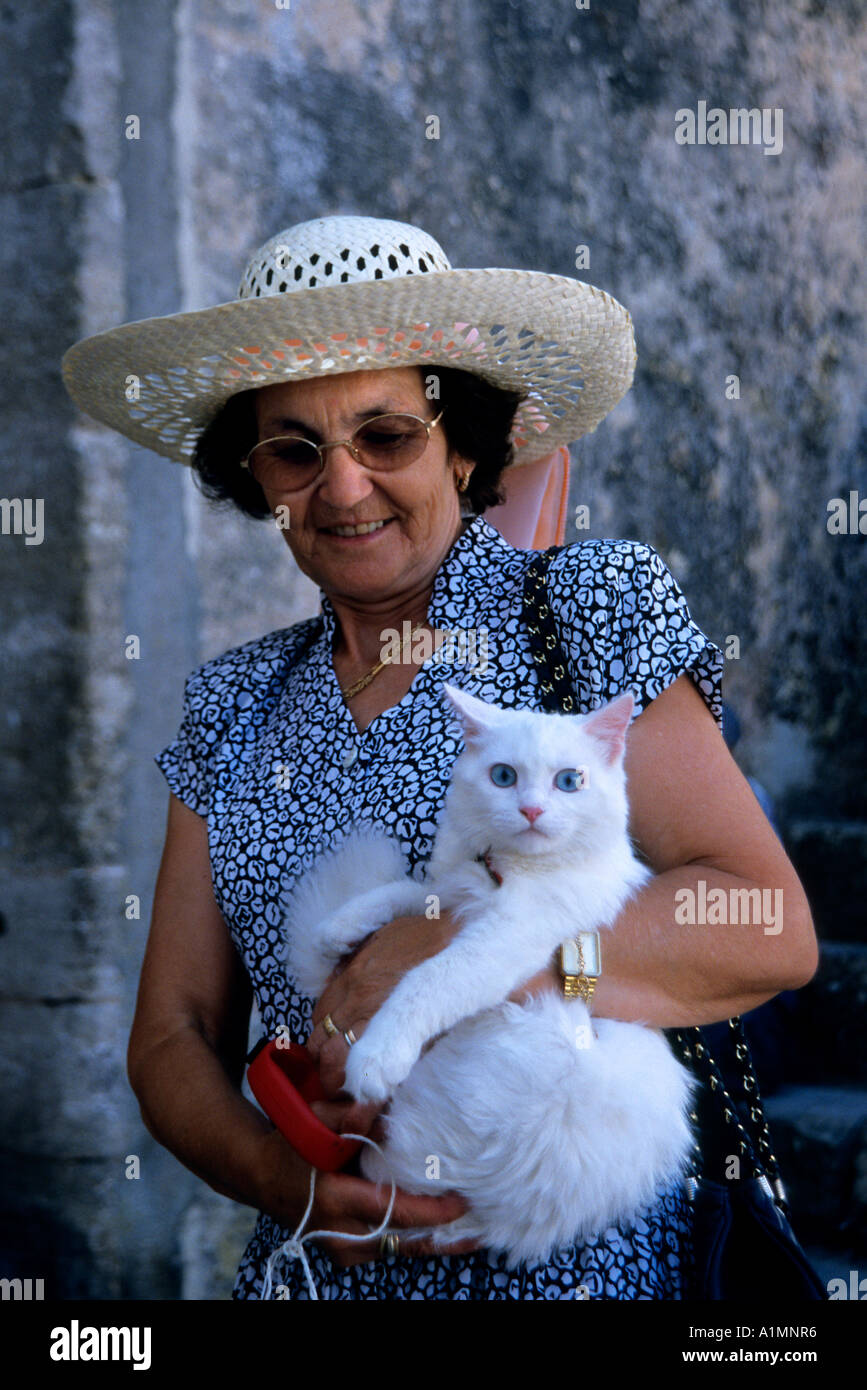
(343,481)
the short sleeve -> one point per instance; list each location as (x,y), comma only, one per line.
(223,700)
(625,625)
(187,762)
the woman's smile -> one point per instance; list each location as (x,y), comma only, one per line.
(360,531)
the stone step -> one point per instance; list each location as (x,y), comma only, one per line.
(831,859)
(820,1140)
(811,1036)
(831,1017)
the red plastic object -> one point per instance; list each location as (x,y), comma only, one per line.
(284,1079)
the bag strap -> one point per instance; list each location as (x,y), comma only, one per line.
(753,1142)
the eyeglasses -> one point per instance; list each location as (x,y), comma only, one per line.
(288,462)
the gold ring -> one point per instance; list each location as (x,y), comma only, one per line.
(350,1037)
(330,1026)
(389,1244)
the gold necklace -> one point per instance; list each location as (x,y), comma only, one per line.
(364,681)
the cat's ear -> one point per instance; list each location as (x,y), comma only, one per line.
(608,725)
(476,716)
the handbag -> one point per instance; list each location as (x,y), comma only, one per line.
(743,1245)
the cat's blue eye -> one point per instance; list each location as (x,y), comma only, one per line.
(502,775)
(571,779)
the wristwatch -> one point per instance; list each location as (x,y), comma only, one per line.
(581,965)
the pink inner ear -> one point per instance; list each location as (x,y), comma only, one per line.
(609,724)
(473,733)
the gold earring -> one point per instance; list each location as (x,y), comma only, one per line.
(463,482)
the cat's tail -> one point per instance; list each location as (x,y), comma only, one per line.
(366,859)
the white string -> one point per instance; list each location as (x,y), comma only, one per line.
(293,1248)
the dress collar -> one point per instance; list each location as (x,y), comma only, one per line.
(461,582)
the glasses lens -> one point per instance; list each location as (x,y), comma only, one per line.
(391,441)
(285,464)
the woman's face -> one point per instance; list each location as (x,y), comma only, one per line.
(419,503)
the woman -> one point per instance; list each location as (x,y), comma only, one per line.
(292,737)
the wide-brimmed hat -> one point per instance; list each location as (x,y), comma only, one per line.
(343,294)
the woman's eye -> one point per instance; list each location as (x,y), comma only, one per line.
(502,775)
(385,440)
(382,437)
(571,779)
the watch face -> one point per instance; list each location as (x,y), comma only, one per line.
(571,957)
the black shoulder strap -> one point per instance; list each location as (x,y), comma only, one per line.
(551,668)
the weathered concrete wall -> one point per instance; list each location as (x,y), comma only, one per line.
(89,238)
(61,985)
(556,131)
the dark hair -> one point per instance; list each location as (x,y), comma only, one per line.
(477,422)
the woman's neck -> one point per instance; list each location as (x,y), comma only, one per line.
(360,624)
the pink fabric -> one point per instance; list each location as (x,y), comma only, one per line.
(534,513)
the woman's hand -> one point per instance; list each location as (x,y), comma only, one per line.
(358,988)
(349,1204)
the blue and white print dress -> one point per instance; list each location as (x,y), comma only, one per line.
(269,755)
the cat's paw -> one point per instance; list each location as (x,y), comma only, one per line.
(365,1079)
(339,932)
(373,1071)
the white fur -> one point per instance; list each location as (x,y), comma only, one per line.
(552,1123)
(330,900)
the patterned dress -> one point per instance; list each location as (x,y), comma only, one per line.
(268,753)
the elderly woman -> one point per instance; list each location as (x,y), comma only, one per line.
(292,737)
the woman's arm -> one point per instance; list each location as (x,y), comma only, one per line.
(697,822)
(186,1059)
(188,1039)
(694,818)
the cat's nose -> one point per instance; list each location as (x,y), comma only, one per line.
(531,812)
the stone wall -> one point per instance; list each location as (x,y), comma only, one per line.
(556,130)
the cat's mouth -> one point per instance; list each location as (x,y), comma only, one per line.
(531,835)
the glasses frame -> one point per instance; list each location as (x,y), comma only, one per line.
(346,443)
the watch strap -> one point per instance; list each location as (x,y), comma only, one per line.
(581,965)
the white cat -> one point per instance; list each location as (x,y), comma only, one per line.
(552,1123)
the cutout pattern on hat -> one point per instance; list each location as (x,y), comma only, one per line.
(421,344)
(340,251)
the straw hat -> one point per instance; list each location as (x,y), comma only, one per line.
(343,294)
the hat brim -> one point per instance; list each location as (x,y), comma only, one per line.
(569,346)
